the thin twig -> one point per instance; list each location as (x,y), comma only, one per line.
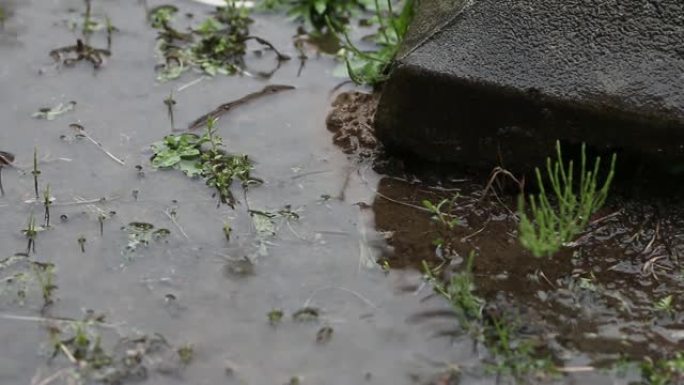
(82,132)
(172,218)
(357,295)
(476,233)
(14,317)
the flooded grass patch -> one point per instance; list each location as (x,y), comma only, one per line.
(600,296)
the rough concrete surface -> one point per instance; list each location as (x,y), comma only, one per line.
(498,81)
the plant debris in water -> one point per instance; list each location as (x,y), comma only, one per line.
(142,233)
(216,46)
(21,277)
(82,50)
(511,352)
(204,156)
(51,113)
(83,346)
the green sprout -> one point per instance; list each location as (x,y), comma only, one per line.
(549,227)
(35,172)
(31,233)
(664,372)
(371,67)
(45,274)
(47,202)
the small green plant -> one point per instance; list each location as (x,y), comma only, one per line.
(513,355)
(275,316)
(47,202)
(663,372)
(31,233)
(446,222)
(186,353)
(51,113)
(204,156)
(549,226)
(216,46)
(314,13)
(6,159)
(81,243)
(35,172)
(83,345)
(665,305)
(82,50)
(371,67)
(460,292)
(45,275)
(170,102)
(140,234)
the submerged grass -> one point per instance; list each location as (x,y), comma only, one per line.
(91,360)
(549,226)
(216,46)
(511,354)
(204,156)
(663,372)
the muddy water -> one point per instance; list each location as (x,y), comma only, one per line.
(194,287)
(321,261)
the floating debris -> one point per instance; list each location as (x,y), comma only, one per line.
(306,314)
(324,335)
(142,233)
(51,113)
(6,159)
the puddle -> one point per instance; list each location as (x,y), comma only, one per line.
(314,276)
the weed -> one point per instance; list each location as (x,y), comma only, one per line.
(371,67)
(47,202)
(187,153)
(82,344)
(663,372)
(216,46)
(31,233)
(141,234)
(665,305)
(45,274)
(441,214)
(459,291)
(170,102)
(512,355)
(6,159)
(549,227)
(81,243)
(227,231)
(3,17)
(51,113)
(186,354)
(35,172)
(315,13)
(275,316)
(82,50)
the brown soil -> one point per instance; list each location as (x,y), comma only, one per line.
(351,122)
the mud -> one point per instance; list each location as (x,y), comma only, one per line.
(351,122)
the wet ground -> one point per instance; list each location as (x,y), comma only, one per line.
(196,288)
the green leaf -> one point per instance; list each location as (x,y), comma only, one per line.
(320,6)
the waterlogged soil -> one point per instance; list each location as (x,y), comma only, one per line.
(146,249)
